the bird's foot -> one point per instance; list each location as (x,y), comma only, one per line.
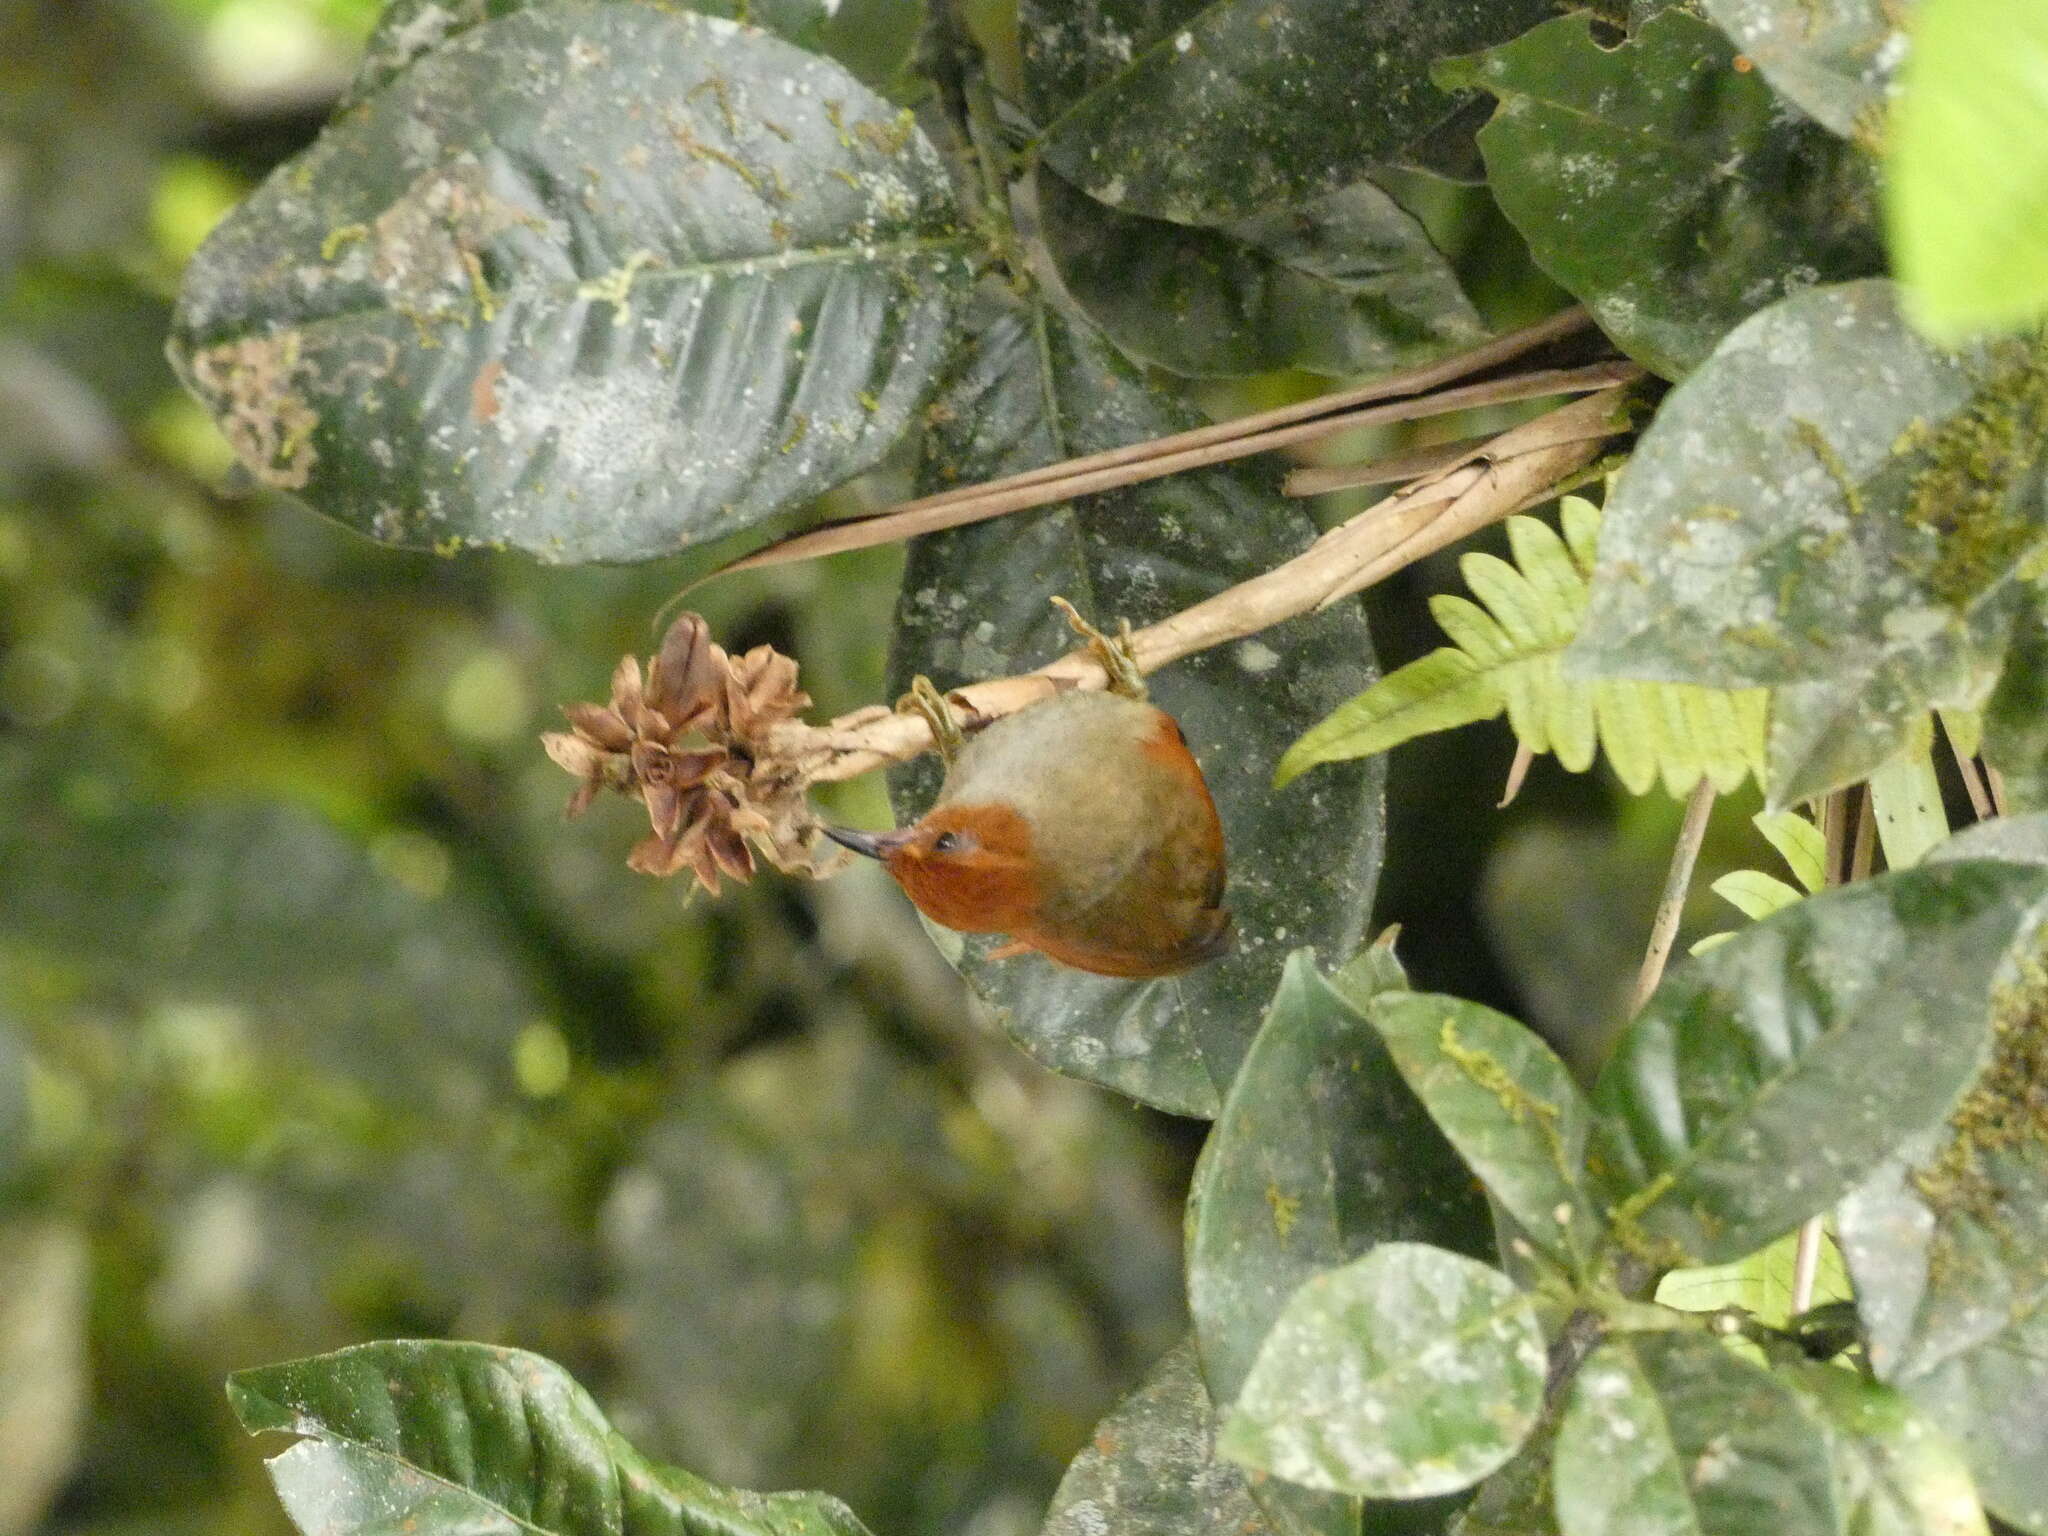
(925,699)
(1119,657)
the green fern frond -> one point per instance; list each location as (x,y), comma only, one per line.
(1505,655)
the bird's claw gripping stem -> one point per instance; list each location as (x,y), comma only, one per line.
(925,699)
(1118,657)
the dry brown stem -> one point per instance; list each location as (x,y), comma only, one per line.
(1515,470)
(1411,395)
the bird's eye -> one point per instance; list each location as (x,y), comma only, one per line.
(946,842)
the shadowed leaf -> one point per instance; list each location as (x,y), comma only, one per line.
(1673,1434)
(1206,113)
(1347,284)
(1152,1469)
(1729,201)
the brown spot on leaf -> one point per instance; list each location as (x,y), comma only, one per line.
(483,391)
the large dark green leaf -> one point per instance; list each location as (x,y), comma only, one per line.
(1320,1153)
(1508,1105)
(1896,1473)
(1830,502)
(1773,1072)
(1945,1248)
(443,1437)
(1347,284)
(1411,1371)
(872,38)
(1676,1435)
(1666,188)
(1206,113)
(592,280)
(1834,60)
(1040,387)
(1152,1469)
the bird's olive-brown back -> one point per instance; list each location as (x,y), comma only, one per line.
(1126,838)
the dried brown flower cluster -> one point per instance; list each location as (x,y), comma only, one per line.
(691,742)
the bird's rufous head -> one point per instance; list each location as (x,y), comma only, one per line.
(968,867)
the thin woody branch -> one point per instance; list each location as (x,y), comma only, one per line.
(1517,469)
(1431,390)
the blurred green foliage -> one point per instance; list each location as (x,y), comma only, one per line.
(316,1026)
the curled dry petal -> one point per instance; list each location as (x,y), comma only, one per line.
(664,807)
(657,856)
(573,754)
(685,679)
(601,726)
(761,691)
(626,695)
(727,847)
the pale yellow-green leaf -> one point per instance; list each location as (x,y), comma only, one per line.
(1581,520)
(1906,801)
(1799,844)
(1509,644)
(1432,693)
(1755,894)
(1965,729)
(1760,1284)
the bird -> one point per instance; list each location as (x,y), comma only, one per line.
(1081,827)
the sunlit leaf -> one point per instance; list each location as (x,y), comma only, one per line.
(1507,656)
(1799,843)
(1754,894)
(1320,1153)
(1208,113)
(592,280)
(1760,1284)
(447,1437)
(1905,800)
(1410,1371)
